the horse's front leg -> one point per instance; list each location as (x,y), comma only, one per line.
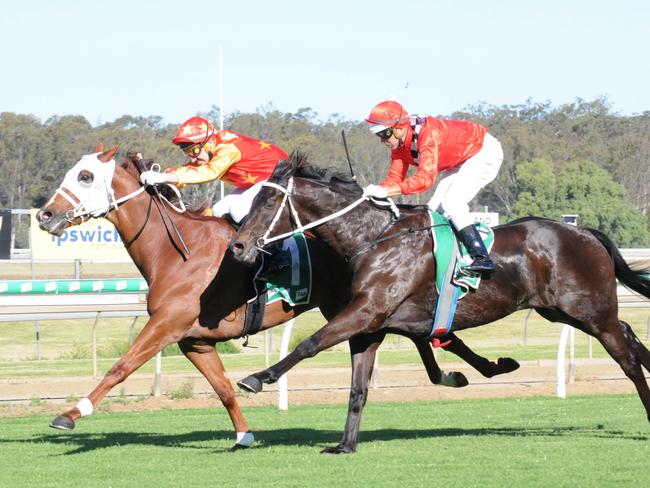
(360,316)
(363,349)
(207,360)
(155,335)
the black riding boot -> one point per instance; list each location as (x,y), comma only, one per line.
(481,260)
(273,263)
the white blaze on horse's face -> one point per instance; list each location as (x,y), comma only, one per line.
(89,181)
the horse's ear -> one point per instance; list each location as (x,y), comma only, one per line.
(98,148)
(109,154)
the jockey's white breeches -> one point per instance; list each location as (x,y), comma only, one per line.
(237,204)
(457,186)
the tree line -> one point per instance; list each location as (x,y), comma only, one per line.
(577,158)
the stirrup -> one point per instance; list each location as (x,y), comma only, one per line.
(480,265)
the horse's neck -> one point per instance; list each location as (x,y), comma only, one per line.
(146,226)
(348,232)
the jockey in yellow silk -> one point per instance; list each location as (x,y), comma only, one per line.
(241,161)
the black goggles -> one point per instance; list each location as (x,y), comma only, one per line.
(385,134)
(192,150)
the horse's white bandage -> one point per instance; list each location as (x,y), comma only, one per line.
(245,438)
(85,406)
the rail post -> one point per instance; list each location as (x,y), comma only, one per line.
(283,388)
(94,346)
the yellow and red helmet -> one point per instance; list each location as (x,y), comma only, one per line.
(194,130)
(388,113)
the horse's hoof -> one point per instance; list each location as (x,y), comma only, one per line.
(460,379)
(238,447)
(455,379)
(251,384)
(62,422)
(507,364)
(337,450)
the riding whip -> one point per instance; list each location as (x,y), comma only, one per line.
(347,154)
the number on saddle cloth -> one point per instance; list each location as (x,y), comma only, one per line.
(451,283)
(293,285)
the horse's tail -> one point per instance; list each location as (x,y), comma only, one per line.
(637,280)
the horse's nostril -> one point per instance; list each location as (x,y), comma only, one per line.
(237,248)
(44,216)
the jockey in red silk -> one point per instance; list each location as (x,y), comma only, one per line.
(463,153)
(213,154)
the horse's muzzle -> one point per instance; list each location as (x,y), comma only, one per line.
(51,223)
(243,254)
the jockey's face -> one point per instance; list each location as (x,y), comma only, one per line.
(396,139)
(197,154)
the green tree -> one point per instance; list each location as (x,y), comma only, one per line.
(585,189)
(536,190)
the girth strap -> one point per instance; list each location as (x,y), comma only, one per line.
(255,314)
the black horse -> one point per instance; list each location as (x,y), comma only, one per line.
(567,274)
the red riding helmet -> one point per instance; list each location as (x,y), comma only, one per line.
(194,130)
(387,114)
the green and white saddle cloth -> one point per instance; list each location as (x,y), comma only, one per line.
(293,285)
(452,283)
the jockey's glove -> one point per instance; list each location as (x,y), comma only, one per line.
(375,191)
(154,178)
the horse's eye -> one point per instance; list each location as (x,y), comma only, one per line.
(270,203)
(85,177)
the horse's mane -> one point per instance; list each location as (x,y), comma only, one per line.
(298,165)
(136,164)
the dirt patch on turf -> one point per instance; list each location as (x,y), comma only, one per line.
(53,396)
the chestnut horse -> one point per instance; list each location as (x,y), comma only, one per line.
(198,298)
(568,274)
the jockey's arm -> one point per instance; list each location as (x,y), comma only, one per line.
(427,172)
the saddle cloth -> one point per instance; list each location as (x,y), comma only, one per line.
(293,285)
(452,283)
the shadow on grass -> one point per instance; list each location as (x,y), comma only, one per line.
(297,437)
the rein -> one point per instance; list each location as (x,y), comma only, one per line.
(265,239)
(370,245)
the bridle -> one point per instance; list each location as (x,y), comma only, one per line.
(79,207)
(288,192)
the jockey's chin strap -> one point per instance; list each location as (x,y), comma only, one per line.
(288,191)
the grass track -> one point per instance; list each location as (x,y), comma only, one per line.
(580,441)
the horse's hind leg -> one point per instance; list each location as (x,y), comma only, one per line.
(638,346)
(483,365)
(207,360)
(363,349)
(437,376)
(619,343)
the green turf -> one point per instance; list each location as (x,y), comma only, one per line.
(579,441)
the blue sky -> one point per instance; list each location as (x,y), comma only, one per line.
(106,59)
